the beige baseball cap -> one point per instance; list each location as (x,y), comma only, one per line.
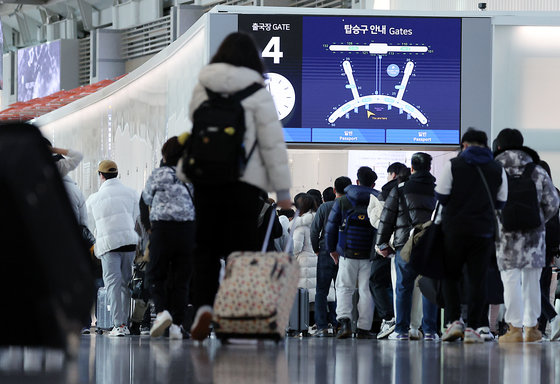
(108,166)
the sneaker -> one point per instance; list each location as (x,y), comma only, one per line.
(325,332)
(85,331)
(200,328)
(126,330)
(513,335)
(387,327)
(555,328)
(311,331)
(398,336)
(118,331)
(471,336)
(175,332)
(161,323)
(364,334)
(485,333)
(454,331)
(532,334)
(431,337)
(415,334)
(144,331)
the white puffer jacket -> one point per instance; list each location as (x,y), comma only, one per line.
(268,166)
(303,251)
(112,212)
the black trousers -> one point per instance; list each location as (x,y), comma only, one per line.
(170,266)
(226,221)
(475,253)
(380,286)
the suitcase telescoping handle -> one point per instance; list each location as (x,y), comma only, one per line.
(269,230)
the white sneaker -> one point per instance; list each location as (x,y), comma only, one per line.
(175,332)
(144,331)
(162,322)
(485,333)
(312,330)
(387,327)
(398,336)
(454,331)
(415,334)
(555,328)
(472,337)
(119,331)
(431,337)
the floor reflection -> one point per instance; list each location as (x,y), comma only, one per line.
(101,360)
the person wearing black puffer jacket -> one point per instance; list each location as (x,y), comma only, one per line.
(469,226)
(409,204)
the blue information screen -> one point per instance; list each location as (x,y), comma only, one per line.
(394,80)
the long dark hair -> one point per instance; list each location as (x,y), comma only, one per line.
(239,49)
(307,204)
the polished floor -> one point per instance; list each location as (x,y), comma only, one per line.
(309,360)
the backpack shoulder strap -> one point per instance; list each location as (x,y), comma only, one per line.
(529,168)
(246,92)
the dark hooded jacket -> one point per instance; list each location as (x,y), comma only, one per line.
(467,209)
(357,195)
(409,204)
(387,188)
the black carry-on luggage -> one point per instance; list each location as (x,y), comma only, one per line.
(256,294)
(299,315)
(45,261)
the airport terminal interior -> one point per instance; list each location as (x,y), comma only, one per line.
(355,83)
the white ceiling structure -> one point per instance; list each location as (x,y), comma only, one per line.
(24,20)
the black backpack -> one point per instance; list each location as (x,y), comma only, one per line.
(522,212)
(356,234)
(214,152)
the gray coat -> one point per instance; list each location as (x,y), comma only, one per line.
(517,249)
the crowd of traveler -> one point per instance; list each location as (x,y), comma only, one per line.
(348,240)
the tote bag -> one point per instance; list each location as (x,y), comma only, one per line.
(427,255)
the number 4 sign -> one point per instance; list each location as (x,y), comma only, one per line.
(272,50)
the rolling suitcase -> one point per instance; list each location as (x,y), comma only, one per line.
(299,316)
(103,312)
(256,294)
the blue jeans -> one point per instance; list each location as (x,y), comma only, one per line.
(326,272)
(406,278)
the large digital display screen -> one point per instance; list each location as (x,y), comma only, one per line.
(361,79)
(38,71)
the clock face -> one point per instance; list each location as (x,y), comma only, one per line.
(282,92)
